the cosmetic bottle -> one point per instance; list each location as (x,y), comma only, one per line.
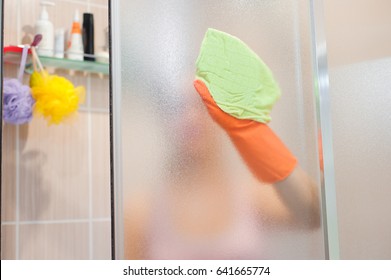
(44,27)
(103,55)
(75,49)
(59,43)
(88,36)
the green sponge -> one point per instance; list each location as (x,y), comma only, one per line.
(239,81)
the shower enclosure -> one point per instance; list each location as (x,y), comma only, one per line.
(145,173)
(179,183)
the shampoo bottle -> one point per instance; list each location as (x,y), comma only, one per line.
(44,27)
(88,36)
(59,43)
(103,56)
(75,49)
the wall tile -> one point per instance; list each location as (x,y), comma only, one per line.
(10,71)
(54,241)
(8,242)
(100,92)
(29,13)
(358,36)
(102,240)
(10,22)
(8,184)
(100,2)
(54,171)
(100,159)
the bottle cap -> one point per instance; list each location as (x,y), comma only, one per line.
(44,13)
(76,24)
(76,17)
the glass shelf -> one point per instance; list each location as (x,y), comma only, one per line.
(63,63)
(11,57)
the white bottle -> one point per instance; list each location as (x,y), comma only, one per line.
(44,27)
(103,56)
(76,50)
(59,43)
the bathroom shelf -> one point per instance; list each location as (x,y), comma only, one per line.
(62,63)
(13,55)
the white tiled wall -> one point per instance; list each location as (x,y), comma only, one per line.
(56,179)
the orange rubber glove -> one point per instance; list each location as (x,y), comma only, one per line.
(264,153)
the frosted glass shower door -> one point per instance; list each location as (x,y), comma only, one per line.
(185,191)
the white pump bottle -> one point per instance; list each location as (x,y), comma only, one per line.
(44,27)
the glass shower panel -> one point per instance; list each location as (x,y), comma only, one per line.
(55,179)
(186,192)
(361,98)
(360,95)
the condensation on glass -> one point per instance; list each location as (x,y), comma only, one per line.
(186,192)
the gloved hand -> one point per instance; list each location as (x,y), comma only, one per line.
(245,111)
(264,153)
